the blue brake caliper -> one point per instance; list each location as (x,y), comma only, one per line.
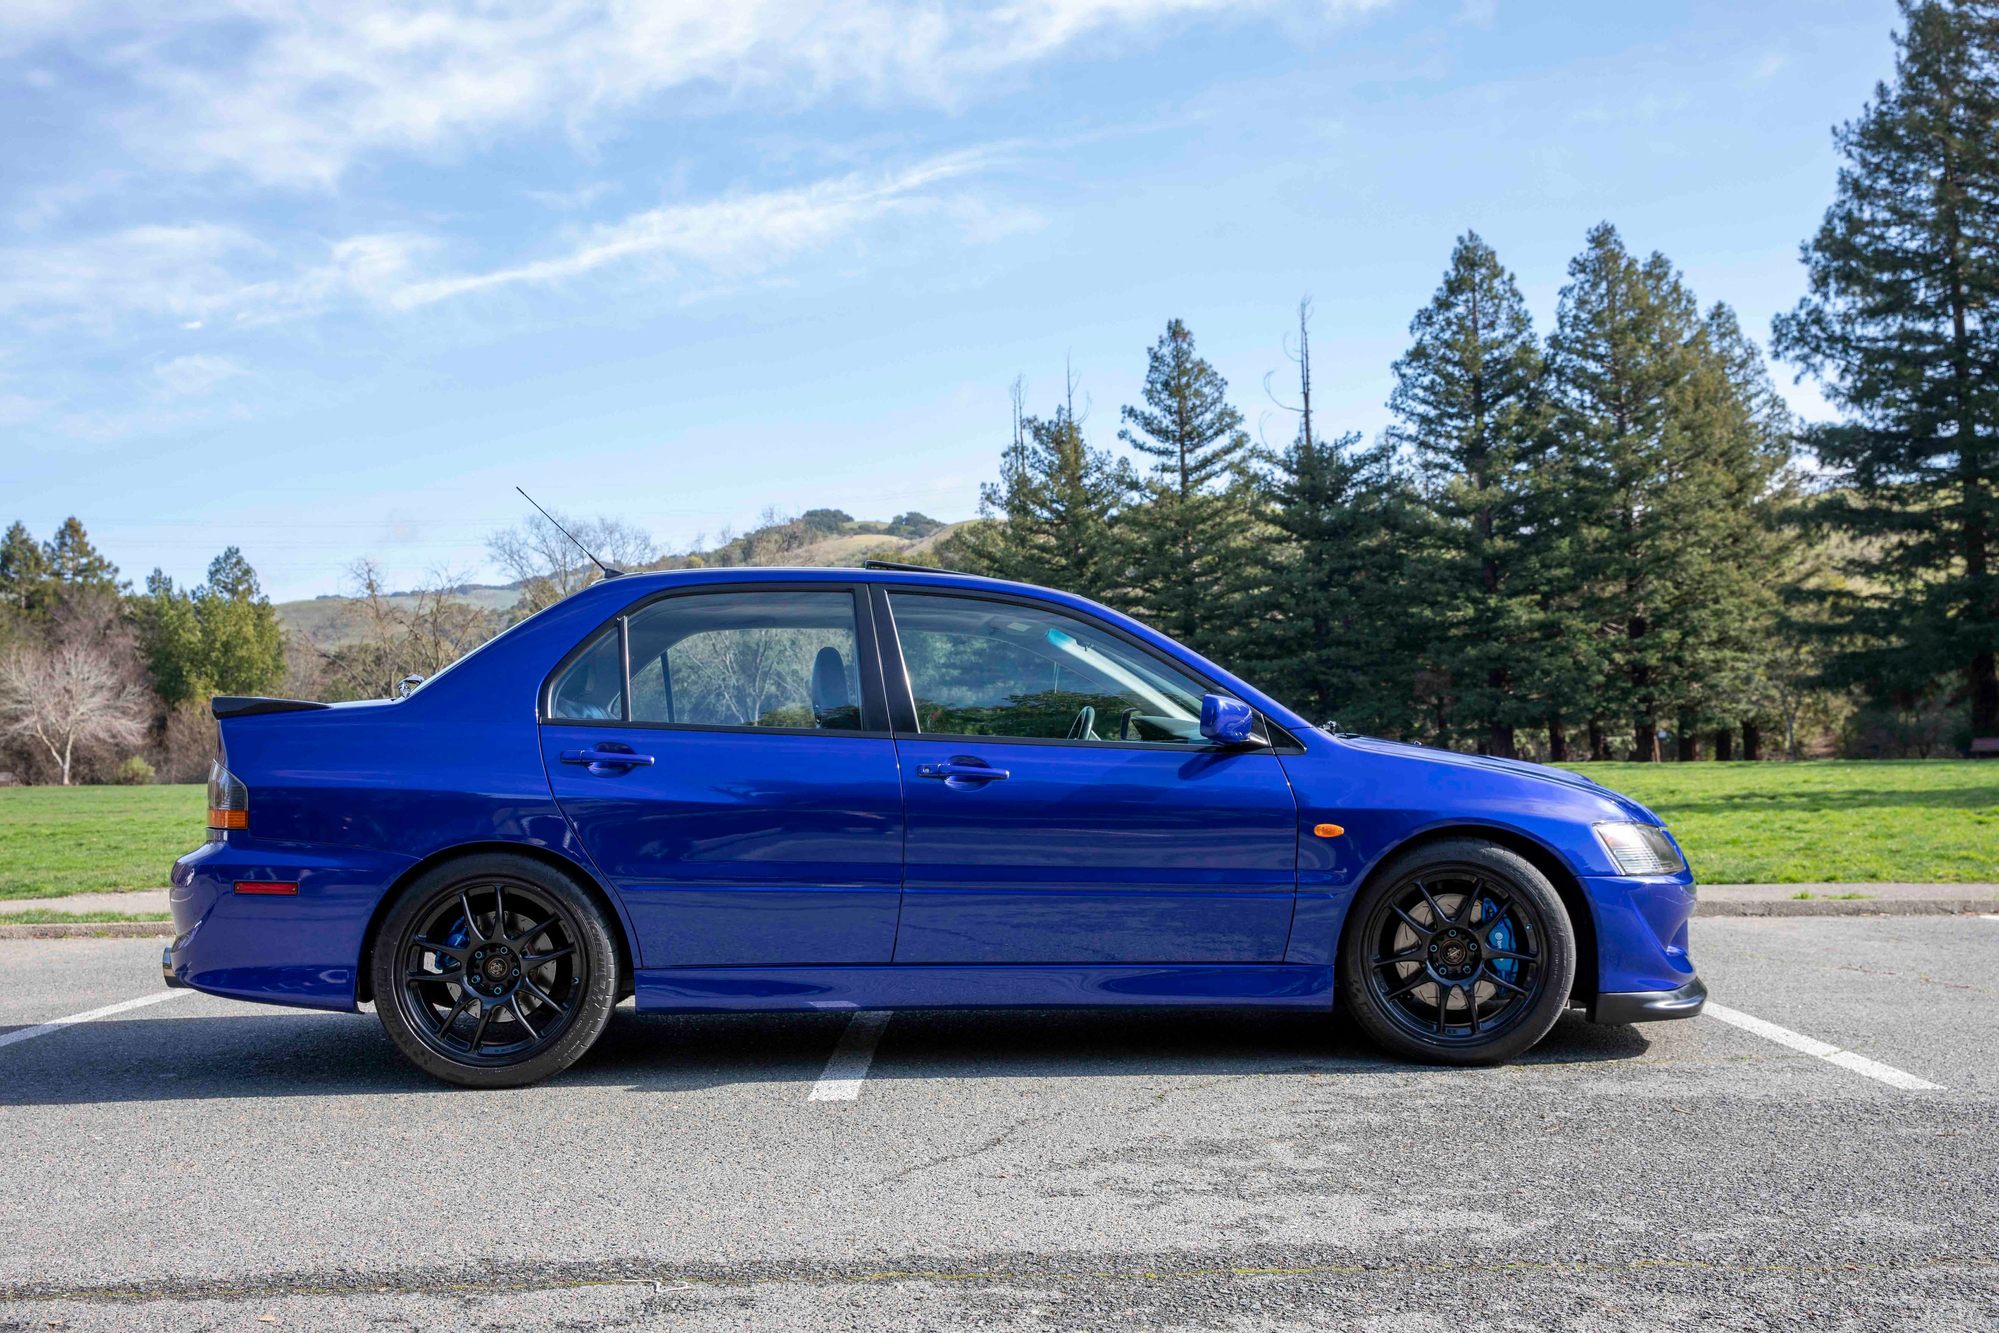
(1500,937)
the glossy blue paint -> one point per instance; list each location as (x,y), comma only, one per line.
(931,987)
(802,868)
(1096,854)
(736,848)
(1229,721)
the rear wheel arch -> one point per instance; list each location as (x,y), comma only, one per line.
(1581,919)
(561,865)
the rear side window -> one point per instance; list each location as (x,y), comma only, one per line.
(766,658)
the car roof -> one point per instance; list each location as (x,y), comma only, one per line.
(914,576)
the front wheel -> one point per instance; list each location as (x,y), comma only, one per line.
(494,972)
(1457,953)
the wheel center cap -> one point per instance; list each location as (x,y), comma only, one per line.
(497,967)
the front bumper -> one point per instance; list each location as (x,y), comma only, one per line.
(1650,1006)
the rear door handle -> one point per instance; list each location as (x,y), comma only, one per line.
(962,770)
(607,758)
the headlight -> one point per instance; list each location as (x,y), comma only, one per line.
(1640,849)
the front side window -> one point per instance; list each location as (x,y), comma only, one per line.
(980,668)
(735,659)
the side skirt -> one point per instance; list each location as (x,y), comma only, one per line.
(735,989)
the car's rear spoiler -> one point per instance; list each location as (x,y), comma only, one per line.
(248,705)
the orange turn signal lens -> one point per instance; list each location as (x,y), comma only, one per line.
(266,886)
(1328,830)
(228,818)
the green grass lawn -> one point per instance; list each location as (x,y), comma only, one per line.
(1836,822)
(57,840)
(1921,821)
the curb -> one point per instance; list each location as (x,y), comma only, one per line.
(1849,907)
(80,930)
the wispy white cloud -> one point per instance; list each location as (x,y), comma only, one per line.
(199,275)
(296,93)
(749,232)
(196,374)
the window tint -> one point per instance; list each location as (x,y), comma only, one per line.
(980,668)
(747,659)
(592,690)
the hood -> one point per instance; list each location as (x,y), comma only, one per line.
(1518,768)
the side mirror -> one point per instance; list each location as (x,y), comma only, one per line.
(1228,721)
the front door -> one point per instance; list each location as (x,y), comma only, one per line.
(1062,804)
(725,759)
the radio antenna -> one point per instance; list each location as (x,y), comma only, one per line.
(609,573)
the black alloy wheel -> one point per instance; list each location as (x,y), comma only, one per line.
(494,972)
(1460,952)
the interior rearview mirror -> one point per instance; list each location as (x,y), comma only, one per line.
(1228,721)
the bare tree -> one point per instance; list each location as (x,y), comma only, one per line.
(68,695)
(390,635)
(549,566)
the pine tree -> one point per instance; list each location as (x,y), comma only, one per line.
(74,563)
(243,642)
(1468,404)
(220,638)
(1337,568)
(1901,326)
(1053,515)
(25,577)
(1616,360)
(1733,448)
(1188,533)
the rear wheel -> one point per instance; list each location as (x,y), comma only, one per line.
(1459,952)
(494,972)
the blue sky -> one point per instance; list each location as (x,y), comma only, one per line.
(326,279)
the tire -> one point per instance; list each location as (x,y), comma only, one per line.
(1424,982)
(494,971)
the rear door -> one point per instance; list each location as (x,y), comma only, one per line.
(724,756)
(1062,805)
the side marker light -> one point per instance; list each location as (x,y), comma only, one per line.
(1328,830)
(266,886)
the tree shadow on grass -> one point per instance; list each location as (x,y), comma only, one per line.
(1847,801)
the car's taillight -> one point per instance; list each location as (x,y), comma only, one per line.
(228,799)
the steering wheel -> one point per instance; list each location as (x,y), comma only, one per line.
(1084,728)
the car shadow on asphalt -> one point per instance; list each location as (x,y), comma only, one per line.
(275,1053)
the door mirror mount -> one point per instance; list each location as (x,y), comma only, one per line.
(1228,721)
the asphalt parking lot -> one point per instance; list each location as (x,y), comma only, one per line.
(197,1163)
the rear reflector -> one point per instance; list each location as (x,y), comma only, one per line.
(228,818)
(266,886)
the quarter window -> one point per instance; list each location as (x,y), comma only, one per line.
(979,668)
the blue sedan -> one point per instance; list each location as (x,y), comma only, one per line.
(752,789)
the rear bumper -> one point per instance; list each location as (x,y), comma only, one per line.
(167,973)
(1650,1006)
(299,949)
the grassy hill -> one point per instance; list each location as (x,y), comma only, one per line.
(819,538)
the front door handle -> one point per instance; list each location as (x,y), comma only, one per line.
(600,758)
(962,770)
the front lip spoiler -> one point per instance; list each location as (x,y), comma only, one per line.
(1650,1006)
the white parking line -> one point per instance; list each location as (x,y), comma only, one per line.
(58,1024)
(847,1067)
(1831,1054)
(1989,916)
